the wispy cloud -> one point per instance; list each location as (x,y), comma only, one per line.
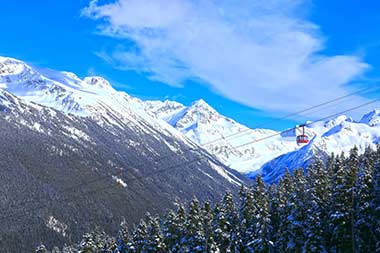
(262,53)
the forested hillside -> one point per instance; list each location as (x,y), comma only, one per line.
(332,207)
(61,175)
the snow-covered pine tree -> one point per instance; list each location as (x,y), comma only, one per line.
(246,213)
(155,241)
(259,242)
(195,238)
(297,217)
(103,243)
(170,231)
(181,226)
(41,249)
(123,237)
(69,249)
(139,238)
(274,213)
(364,209)
(375,202)
(340,209)
(322,185)
(318,189)
(55,250)
(87,245)
(330,165)
(285,191)
(225,222)
(207,219)
(352,165)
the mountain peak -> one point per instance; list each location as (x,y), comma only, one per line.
(98,82)
(202,104)
(9,60)
(337,121)
(172,103)
(372,118)
(10,66)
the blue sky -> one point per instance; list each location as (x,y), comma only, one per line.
(253,62)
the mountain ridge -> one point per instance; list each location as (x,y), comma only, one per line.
(60,165)
(198,123)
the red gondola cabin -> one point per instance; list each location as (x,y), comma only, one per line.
(302,138)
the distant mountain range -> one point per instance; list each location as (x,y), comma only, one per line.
(199,122)
(230,141)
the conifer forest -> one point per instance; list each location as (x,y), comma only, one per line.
(331,206)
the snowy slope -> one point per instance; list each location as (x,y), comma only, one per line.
(197,123)
(60,165)
(336,136)
(92,97)
(205,126)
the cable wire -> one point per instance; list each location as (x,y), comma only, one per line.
(287,116)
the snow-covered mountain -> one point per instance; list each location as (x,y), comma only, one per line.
(253,151)
(64,91)
(224,137)
(334,136)
(248,151)
(76,151)
(94,97)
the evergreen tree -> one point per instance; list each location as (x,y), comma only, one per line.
(274,213)
(207,217)
(174,229)
(285,192)
(317,208)
(225,223)
(259,242)
(69,249)
(181,225)
(87,244)
(341,207)
(123,237)
(55,250)
(330,165)
(155,241)
(246,219)
(297,217)
(103,243)
(195,239)
(352,166)
(41,249)
(171,233)
(365,211)
(375,201)
(139,238)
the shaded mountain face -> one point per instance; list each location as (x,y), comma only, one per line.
(93,160)
(273,170)
(334,136)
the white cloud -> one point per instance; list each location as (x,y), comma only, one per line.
(261,53)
